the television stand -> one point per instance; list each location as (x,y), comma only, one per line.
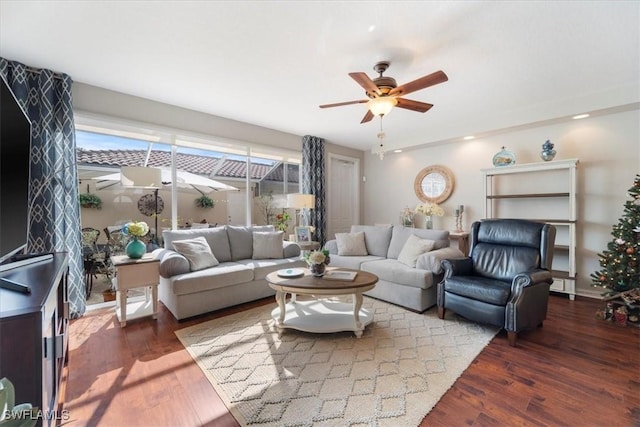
(34,340)
(25,261)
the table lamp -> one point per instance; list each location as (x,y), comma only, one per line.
(301,202)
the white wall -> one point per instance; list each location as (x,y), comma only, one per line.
(608,148)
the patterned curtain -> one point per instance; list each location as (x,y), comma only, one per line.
(55,212)
(313,183)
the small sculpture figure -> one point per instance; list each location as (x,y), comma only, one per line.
(547,153)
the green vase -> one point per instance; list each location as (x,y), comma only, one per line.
(135,248)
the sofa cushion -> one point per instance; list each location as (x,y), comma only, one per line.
(391,270)
(491,291)
(262,267)
(223,275)
(400,235)
(197,251)
(413,248)
(353,262)
(241,240)
(351,244)
(216,237)
(376,238)
(267,244)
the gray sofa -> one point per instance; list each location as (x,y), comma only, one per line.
(411,287)
(238,278)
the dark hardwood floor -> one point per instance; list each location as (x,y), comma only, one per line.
(574,371)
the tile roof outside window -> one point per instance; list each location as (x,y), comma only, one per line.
(198,164)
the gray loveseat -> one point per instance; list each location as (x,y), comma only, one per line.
(238,278)
(399,283)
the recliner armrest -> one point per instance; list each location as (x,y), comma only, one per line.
(531,278)
(457,267)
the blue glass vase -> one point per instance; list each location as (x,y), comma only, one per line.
(135,249)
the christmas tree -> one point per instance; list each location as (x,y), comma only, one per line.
(620,270)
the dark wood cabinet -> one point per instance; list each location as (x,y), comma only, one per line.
(33,334)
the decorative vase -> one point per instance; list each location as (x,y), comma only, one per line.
(428,222)
(548,153)
(317,269)
(504,158)
(135,249)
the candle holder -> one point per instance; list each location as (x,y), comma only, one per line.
(458,212)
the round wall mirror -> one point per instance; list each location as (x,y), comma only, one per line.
(434,184)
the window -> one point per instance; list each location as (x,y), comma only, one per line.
(103,149)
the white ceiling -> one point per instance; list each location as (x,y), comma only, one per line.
(272,63)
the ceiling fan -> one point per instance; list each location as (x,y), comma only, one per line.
(384,93)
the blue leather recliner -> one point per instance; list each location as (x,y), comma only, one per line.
(506,278)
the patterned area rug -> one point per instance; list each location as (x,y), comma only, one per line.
(392,376)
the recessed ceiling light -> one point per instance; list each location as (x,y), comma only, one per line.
(467,138)
(580,116)
(372,28)
(397,151)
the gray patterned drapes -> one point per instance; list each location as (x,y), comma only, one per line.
(313,183)
(55,212)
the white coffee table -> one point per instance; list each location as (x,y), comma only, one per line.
(320,314)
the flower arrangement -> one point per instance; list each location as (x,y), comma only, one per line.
(429,209)
(282,221)
(320,256)
(136,229)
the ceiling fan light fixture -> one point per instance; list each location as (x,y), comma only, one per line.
(382,106)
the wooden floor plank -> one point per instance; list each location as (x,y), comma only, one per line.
(576,371)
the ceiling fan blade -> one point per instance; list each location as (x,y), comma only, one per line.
(367,117)
(421,83)
(340,104)
(412,105)
(363,80)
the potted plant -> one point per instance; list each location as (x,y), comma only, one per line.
(205,202)
(88,200)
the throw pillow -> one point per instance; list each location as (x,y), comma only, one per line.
(351,244)
(197,251)
(268,244)
(413,248)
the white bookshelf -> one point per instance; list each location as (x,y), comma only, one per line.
(546,192)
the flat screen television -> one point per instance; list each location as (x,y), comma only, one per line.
(15,145)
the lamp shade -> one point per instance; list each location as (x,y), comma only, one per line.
(381,106)
(140,177)
(301,201)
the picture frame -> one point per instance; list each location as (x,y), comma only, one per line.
(303,234)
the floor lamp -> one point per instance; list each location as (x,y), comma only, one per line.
(301,202)
(147,178)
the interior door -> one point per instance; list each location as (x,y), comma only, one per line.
(343,194)
(237,207)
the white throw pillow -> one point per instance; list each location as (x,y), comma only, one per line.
(413,248)
(268,245)
(197,251)
(351,244)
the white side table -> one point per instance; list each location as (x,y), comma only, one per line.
(136,273)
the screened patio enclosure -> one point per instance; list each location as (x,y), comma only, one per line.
(269,182)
